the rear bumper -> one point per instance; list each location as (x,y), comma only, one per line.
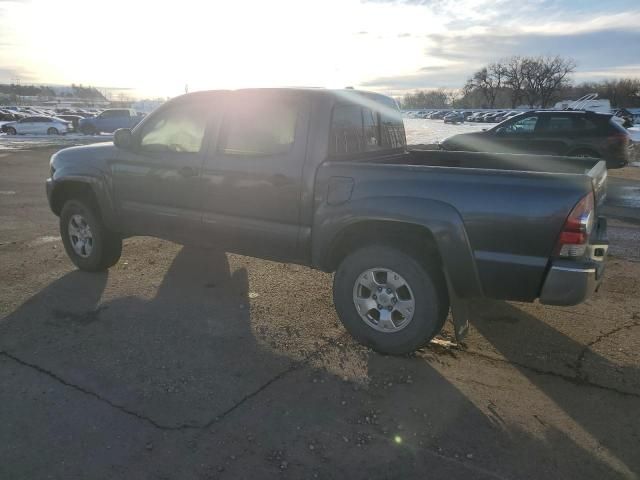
(570,282)
(570,285)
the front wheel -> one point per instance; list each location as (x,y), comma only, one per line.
(389,300)
(11,131)
(90,245)
(89,130)
(53,131)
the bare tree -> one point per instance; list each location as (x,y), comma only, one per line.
(544,77)
(514,79)
(488,80)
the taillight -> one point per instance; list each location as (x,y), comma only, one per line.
(619,139)
(576,229)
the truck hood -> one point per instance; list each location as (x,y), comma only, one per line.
(83,160)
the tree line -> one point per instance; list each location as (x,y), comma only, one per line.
(525,81)
(13,91)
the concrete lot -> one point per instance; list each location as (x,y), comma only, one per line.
(191,364)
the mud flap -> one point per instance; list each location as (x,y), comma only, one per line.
(459,312)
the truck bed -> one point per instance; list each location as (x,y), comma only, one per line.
(503,163)
(512,206)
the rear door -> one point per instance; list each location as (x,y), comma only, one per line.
(252,177)
(556,133)
(157,184)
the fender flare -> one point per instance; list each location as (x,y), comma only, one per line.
(98,185)
(441,219)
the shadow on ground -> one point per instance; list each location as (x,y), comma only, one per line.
(179,386)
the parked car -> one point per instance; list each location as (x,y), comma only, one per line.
(74,119)
(6,116)
(454,117)
(37,125)
(109,121)
(475,116)
(323,178)
(493,117)
(570,133)
(438,115)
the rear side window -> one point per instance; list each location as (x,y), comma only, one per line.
(358,129)
(559,124)
(583,124)
(347,132)
(260,128)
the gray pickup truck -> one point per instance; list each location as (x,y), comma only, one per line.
(323,178)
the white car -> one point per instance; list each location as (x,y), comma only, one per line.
(37,126)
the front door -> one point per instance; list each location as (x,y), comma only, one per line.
(252,176)
(157,183)
(517,136)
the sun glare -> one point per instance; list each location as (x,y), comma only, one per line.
(158,47)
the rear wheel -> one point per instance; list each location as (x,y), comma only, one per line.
(90,245)
(53,131)
(388,300)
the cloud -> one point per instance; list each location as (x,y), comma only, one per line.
(599,54)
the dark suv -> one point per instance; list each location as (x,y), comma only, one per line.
(570,133)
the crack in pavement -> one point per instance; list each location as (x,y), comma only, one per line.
(185,426)
(579,361)
(583,382)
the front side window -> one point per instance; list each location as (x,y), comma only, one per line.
(178,129)
(259,128)
(524,125)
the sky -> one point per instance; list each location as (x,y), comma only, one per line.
(156,48)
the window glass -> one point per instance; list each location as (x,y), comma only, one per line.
(356,129)
(260,127)
(179,129)
(371,130)
(559,124)
(582,124)
(347,134)
(524,125)
(392,130)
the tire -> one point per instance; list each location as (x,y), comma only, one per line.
(11,131)
(53,131)
(105,247)
(426,286)
(89,130)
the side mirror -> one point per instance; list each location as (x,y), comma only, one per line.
(122,138)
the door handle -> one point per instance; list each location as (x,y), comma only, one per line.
(187,172)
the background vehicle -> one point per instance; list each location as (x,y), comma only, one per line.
(439,115)
(454,117)
(109,121)
(475,116)
(558,132)
(74,119)
(37,126)
(323,178)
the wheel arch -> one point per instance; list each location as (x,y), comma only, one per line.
(89,189)
(430,228)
